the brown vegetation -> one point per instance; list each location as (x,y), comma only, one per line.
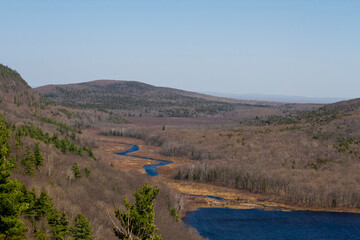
(142,103)
(95,196)
(99,188)
(312,164)
(281,152)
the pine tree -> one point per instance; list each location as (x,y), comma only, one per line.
(76,170)
(29,162)
(43,205)
(39,159)
(137,220)
(81,229)
(59,224)
(29,197)
(11,205)
(39,234)
(11,226)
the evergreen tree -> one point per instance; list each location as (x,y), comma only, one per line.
(59,224)
(81,229)
(39,234)
(29,197)
(137,220)
(11,205)
(76,170)
(11,226)
(39,159)
(43,205)
(29,162)
(18,136)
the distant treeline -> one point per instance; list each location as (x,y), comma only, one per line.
(141,98)
(306,188)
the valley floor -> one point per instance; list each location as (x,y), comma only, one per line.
(197,194)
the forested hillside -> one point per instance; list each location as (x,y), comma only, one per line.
(130,98)
(52,186)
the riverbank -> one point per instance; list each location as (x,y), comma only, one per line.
(228,197)
(240,199)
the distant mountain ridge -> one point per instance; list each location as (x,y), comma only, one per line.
(279,98)
(133,87)
(141,98)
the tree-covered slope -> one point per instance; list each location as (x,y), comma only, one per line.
(52,186)
(140,98)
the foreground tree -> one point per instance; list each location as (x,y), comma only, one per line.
(81,230)
(11,206)
(137,220)
(59,224)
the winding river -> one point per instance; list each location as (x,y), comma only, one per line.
(237,224)
(150,169)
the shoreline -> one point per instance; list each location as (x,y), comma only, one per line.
(240,199)
(276,207)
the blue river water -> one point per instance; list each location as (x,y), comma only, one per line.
(230,224)
(238,224)
(150,169)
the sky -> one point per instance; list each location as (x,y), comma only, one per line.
(281,47)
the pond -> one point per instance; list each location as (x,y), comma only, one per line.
(226,224)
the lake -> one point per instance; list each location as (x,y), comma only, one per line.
(226,224)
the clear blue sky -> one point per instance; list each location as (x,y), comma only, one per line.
(286,47)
